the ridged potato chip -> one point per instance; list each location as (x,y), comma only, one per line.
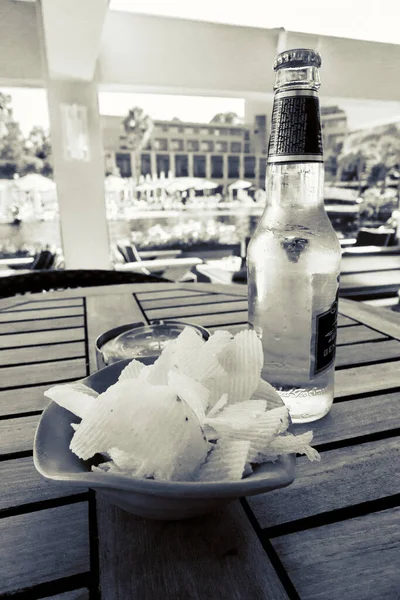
(226,462)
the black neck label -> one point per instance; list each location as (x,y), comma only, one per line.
(296,128)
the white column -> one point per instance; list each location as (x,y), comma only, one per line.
(208,166)
(80,183)
(172,163)
(241,166)
(153,162)
(190,164)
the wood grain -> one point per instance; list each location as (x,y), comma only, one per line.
(217,557)
(13,402)
(105,312)
(344,477)
(37,338)
(16,435)
(367,353)
(355,559)
(370,378)
(21,484)
(43,546)
(41,325)
(45,372)
(370,280)
(37,354)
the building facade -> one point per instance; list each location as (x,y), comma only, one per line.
(216,151)
(220,152)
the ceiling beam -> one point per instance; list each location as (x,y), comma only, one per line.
(72,32)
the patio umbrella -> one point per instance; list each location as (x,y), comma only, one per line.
(240,184)
(34,182)
(114,183)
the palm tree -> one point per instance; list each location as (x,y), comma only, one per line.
(138,127)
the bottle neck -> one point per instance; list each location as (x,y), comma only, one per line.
(296,128)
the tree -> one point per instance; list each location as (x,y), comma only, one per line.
(38,153)
(11,139)
(138,127)
(227,118)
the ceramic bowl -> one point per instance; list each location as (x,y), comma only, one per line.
(163,500)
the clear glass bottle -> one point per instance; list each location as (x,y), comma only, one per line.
(293,258)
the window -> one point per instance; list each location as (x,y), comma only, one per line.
(193,145)
(217,167)
(236,147)
(164,128)
(145,164)
(249,166)
(221,146)
(235,132)
(207,146)
(176,145)
(123,162)
(247,135)
(162,164)
(217,132)
(263,169)
(199,166)
(181,165)
(181,130)
(204,131)
(233,167)
(246,148)
(160,144)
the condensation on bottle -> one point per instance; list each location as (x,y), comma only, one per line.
(293,259)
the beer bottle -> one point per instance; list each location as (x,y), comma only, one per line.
(293,258)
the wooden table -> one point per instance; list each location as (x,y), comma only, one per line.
(333,534)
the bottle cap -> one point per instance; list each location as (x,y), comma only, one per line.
(297,57)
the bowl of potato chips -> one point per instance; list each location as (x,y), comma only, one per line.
(175,437)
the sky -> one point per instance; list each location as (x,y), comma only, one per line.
(376,21)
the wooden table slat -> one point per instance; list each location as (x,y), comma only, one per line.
(354,559)
(367,353)
(195,300)
(219,319)
(43,372)
(217,557)
(364,379)
(41,325)
(195,311)
(16,435)
(167,294)
(50,544)
(358,333)
(356,419)
(385,321)
(37,338)
(15,401)
(48,313)
(39,305)
(81,594)
(344,477)
(32,354)
(22,484)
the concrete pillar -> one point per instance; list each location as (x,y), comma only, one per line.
(190,164)
(172,163)
(80,183)
(208,166)
(241,166)
(153,164)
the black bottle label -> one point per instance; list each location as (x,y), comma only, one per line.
(296,128)
(325,340)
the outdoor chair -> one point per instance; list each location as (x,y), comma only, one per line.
(41,281)
(374,237)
